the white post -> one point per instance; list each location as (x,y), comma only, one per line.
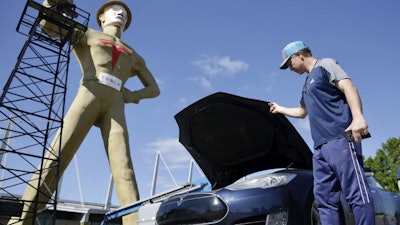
(107,204)
(4,145)
(154,183)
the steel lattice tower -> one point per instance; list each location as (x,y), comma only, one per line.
(33,101)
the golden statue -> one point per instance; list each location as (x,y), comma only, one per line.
(106,63)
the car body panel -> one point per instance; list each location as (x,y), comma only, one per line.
(249,206)
(387,203)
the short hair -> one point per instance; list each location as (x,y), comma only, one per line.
(306,52)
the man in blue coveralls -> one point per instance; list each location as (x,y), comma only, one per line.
(333,106)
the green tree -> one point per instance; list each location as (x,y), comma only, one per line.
(386,163)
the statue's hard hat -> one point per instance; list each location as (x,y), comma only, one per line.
(112,2)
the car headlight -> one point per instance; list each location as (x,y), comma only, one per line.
(265,181)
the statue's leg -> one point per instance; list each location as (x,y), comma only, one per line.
(116,142)
(77,123)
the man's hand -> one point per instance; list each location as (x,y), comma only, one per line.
(274,107)
(358,127)
(296,112)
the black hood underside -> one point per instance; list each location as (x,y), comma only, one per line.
(231,136)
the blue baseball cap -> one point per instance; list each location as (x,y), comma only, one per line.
(289,50)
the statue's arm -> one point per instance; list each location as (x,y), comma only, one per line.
(54,30)
(150,89)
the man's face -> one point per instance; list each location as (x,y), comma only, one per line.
(115,15)
(295,63)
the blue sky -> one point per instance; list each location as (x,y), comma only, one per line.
(196,48)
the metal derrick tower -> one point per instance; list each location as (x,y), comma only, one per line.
(33,102)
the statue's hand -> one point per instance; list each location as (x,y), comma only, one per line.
(130,96)
(48,3)
(53,2)
(66,7)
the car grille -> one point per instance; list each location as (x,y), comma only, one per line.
(193,208)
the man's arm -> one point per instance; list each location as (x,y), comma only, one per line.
(398,177)
(398,184)
(359,125)
(297,112)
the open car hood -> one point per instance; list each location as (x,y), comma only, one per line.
(231,136)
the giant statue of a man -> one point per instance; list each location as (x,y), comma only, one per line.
(107,63)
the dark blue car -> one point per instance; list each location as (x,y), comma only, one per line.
(258,166)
